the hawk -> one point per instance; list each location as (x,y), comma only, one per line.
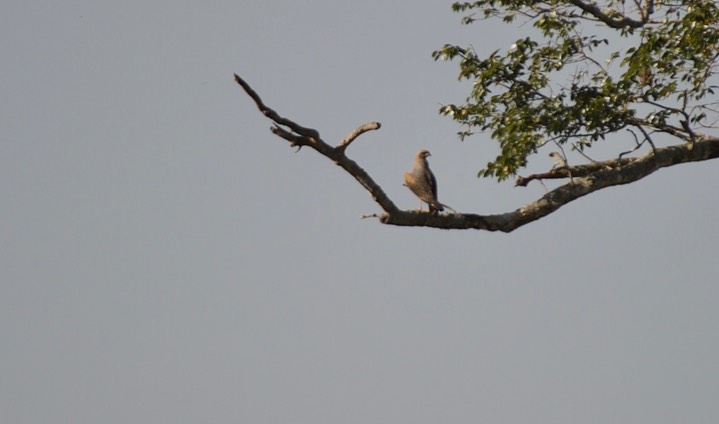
(422,182)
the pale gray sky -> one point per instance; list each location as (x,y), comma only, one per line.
(165,259)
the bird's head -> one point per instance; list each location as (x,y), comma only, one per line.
(423,154)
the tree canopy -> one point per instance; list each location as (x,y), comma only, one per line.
(588,70)
(642,70)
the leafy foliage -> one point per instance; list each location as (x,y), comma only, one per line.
(564,85)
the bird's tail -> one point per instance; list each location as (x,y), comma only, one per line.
(441,206)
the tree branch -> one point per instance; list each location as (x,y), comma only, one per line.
(295,140)
(586,179)
(634,170)
(302,136)
(613,22)
(572,171)
(306,132)
(358,132)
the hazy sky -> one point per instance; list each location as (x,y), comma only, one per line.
(165,259)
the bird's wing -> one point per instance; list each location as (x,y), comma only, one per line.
(432,181)
(419,187)
(429,181)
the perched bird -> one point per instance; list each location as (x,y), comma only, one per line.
(559,161)
(422,182)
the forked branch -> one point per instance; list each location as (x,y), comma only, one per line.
(585,179)
(300,136)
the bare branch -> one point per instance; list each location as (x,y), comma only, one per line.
(579,150)
(647,137)
(310,137)
(294,139)
(637,144)
(572,171)
(559,173)
(268,112)
(612,21)
(665,128)
(358,132)
(682,111)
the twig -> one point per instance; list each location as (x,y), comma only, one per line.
(636,142)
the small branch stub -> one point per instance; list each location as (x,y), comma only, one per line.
(370,126)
